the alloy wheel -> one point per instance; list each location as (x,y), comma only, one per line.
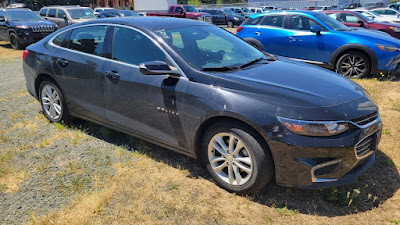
(13,42)
(230,159)
(353,66)
(51,102)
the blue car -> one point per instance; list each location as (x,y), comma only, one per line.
(319,39)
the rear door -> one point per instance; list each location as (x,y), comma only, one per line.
(3,27)
(51,15)
(78,66)
(146,105)
(304,44)
(271,32)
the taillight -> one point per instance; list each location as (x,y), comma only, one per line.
(24,54)
(239,28)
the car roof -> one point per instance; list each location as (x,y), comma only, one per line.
(153,23)
(63,6)
(383,8)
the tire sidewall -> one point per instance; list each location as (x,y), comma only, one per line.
(230,24)
(17,45)
(64,113)
(365,58)
(260,159)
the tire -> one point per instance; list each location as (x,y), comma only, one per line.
(230,24)
(354,65)
(255,43)
(251,167)
(53,102)
(15,43)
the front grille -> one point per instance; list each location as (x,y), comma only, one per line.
(366,119)
(207,19)
(43,29)
(367,145)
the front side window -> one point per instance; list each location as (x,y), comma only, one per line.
(274,21)
(130,46)
(88,39)
(331,23)
(52,13)
(208,47)
(379,12)
(348,18)
(390,12)
(61,13)
(178,9)
(43,12)
(302,23)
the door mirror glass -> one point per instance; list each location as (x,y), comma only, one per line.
(158,68)
(316,29)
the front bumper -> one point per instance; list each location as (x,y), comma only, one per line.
(318,162)
(27,37)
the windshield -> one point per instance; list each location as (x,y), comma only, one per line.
(246,10)
(110,13)
(189,8)
(319,8)
(331,23)
(128,13)
(22,16)
(230,12)
(368,19)
(206,47)
(81,13)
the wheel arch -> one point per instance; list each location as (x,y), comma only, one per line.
(202,128)
(42,77)
(355,47)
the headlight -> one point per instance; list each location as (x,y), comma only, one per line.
(395,29)
(235,18)
(387,48)
(22,27)
(314,128)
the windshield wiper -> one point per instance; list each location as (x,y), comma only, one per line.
(222,68)
(251,62)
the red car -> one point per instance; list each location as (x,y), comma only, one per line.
(355,19)
(185,11)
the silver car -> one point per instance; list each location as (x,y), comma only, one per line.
(67,15)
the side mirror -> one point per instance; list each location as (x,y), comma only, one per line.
(158,68)
(316,29)
(361,23)
(64,17)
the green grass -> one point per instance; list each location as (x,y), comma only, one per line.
(343,198)
(285,211)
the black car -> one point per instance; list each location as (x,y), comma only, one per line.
(225,17)
(109,13)
(22,27)
(199,90)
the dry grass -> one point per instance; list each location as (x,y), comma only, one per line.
(147,190)
(10,175)
(7,52)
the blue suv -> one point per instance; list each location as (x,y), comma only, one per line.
(319,39)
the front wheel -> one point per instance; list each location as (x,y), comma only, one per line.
(230,24)
(15,43)
(354,65)
(236,157)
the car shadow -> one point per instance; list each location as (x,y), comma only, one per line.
(5,45)
(375,186)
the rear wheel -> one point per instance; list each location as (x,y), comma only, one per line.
(53,102)
(235,157)
(354,65)
(15,43)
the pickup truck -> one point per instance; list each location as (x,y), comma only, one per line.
(185,11)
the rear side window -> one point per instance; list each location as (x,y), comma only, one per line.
(390,12)
(171,10)
(132,47)
(52,13)
(348,18)
(88,39)
(220,12)
(43,12)
(62,39)
(274,21)
(251,21)
(61,13)
(378,11)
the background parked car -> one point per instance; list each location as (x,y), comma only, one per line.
(322,8)
(356,19)
(376,17)
(373,5)
(142,13)
(387,12)
(100,9)
(225,17)
(22,27)
(239,11)
(109,13)
(322,40)
(126,13)
(185,11)
(256,10)
(67,15)
(395,5)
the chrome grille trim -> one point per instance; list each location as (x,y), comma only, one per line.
(366,119)
(43,29)
(366,145)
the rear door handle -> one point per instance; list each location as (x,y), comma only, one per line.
(112,75)
(62,62)
(258,33)
(292,39)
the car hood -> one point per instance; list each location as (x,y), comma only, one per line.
(367,34)
(291,83)
(33,23)
(82,20)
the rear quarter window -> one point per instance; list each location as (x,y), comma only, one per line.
(62,39)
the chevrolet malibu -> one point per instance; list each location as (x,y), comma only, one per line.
(196,89)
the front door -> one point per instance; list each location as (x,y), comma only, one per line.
(304,44)
(3,27)
(79,67)
(147,105)
(272,34)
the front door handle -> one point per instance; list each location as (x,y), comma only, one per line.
(62,62)
(112,75)
(292,39)
(258,33)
